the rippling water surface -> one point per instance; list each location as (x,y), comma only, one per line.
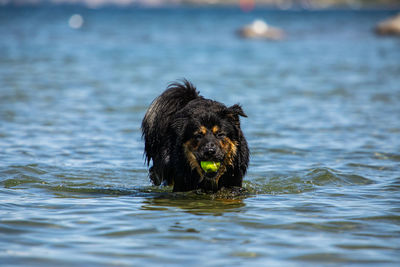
(323,128)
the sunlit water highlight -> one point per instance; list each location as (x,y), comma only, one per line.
(323,127)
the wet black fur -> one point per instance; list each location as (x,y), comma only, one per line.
(171,121)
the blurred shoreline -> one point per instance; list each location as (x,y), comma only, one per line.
(245,5)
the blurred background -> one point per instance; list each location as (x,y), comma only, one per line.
(276,3)
(319,81)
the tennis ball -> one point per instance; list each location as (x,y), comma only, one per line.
(210,166)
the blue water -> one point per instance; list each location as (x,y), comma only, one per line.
(323,128)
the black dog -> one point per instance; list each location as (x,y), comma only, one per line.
(194,142)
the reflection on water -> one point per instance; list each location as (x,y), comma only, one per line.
(323,125)
(197,203)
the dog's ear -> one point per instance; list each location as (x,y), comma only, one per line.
(234,112)
(237,110)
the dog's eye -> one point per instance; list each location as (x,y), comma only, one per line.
(220,135)
(198,136)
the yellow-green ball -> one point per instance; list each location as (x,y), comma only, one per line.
(210,166)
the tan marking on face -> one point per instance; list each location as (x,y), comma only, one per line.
(215,129)
(188,149)
(203,130)
(230,148)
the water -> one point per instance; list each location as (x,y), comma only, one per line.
(323,127)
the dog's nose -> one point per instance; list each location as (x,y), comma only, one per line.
(210,149)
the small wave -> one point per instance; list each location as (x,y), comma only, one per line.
(372,167)
(278,185)
(387,156)
(85,191)
(393,186)
(326,176)
(19,175)
(20,181)
(310,181)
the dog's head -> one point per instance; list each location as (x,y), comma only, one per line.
(210,141)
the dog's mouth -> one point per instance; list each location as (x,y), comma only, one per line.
(211,172)
(210,167)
